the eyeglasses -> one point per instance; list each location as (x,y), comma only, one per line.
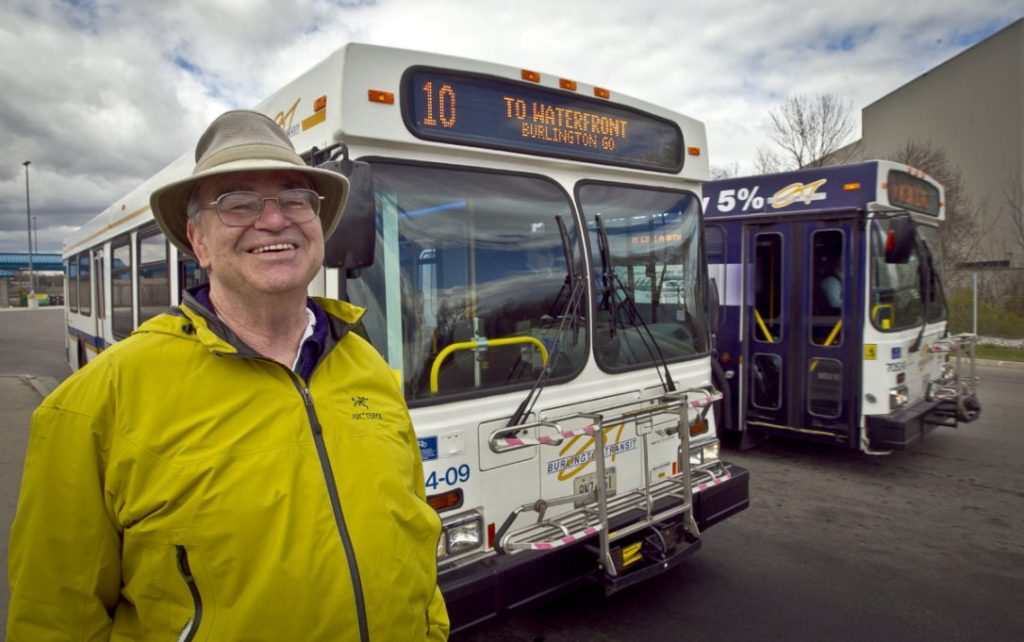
(241,209)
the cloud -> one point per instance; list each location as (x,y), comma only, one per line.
(101,94)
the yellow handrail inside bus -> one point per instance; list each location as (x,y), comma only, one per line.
(760,322)
(435,367)
(828,341)
(887,322)
(835,332)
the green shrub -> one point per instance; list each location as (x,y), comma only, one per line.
(992,321)
(1001,353)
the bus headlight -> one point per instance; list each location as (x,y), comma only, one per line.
(704,454)
(710,452)
(460,533)
(898,397)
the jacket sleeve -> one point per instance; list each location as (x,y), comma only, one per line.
(437,618)
(64,558)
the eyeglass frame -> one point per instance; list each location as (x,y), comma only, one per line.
(314,205)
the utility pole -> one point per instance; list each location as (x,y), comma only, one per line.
(31,300)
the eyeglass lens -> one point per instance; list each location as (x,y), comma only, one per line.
(239,209)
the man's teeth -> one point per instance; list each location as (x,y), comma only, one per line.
(273,248)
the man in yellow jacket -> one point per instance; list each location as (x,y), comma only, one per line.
(242,467)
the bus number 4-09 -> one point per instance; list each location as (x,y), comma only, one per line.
(451,477)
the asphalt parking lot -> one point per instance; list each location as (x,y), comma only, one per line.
(918,545)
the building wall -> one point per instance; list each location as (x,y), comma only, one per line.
(971,106)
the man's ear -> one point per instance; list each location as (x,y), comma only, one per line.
(196,237)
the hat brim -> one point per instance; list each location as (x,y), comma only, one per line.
(170,202)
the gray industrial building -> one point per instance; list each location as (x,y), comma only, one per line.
(971,107)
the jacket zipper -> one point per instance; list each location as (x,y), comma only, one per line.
(192,627)
(339,517)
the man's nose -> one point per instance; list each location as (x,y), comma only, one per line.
(271,217)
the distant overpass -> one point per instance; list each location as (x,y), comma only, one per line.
(15,261)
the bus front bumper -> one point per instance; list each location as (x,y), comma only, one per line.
(906,427)
(486,588)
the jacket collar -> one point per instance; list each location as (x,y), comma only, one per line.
(193,319)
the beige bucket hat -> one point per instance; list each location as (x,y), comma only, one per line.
(242,141)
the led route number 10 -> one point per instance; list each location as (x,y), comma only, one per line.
(445,98)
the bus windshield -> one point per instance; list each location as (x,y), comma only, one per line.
(898,289)
(654,243)
(474,300)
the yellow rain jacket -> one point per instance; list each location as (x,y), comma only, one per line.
(181,487)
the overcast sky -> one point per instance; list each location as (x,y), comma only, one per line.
(101,94)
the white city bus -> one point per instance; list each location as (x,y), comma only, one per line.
(529,251)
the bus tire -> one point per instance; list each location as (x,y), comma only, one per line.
(723,407)
(83,358)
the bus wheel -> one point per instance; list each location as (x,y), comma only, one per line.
(722,408)
(82,358)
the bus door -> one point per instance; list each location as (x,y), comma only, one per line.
(800,328)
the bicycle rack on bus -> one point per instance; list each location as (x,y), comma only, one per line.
(954,389)
(662,415)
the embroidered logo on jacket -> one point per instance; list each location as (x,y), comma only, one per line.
(364,402)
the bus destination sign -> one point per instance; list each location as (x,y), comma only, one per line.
(912,193)
(485,111)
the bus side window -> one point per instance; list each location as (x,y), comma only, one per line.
(154,285)
(121,286)
(827,269)
(72,279)
(768,288)
(714,244)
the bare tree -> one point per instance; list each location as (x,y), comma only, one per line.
(1013,193)
(811,130)
(767,161)
(718,172)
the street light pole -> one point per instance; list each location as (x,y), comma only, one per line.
(31,301)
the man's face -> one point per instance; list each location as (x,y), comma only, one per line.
(272,255)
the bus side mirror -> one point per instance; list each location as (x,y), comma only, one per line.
(351,246)
(899,240)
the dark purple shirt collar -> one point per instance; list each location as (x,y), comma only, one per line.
(311,349)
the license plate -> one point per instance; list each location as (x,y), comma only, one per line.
(587,483)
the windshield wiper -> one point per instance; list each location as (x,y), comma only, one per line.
(612,288)
(574,287)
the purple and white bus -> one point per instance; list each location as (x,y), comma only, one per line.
(833,321)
